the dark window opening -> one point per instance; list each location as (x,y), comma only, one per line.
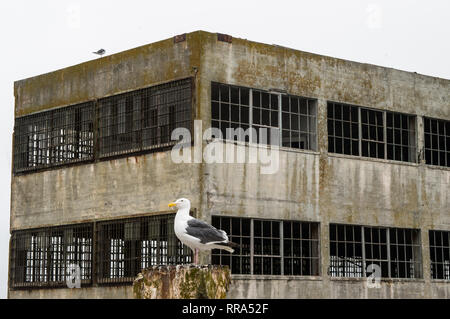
(358,131)
(297,126)
(238,231)
(401,137)
(437,142)
(343,131)
(279,247)
(440,254)
(301,244)
(395,251)
(405,253)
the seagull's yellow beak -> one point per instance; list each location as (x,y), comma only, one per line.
(172,205)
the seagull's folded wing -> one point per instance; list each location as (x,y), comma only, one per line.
(205,232)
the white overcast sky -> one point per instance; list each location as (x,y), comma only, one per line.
(42,36)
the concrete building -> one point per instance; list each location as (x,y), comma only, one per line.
(363,176)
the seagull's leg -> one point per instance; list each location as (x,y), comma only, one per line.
(195,256)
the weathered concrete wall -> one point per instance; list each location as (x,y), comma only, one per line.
(329,188)
(309,186)
(266,66)
(104,190)
(292,288)
(243,287)
(109,292)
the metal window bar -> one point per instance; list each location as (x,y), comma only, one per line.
(267,253)
(41,257)
(269,247)
(299,122)
(439,254)
(376,249)
(301,242)
(238,230)
(405,249)
(53,138)
(372,138)
(437,142)
(126,246)
(343,129)
(230,108)
(397,251)
(359,131)
(238,107)
(346,251)
(136,121)
(400,137)
(144,119)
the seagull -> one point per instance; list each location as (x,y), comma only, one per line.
(100,52)
(197,234)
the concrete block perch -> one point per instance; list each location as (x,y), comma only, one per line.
(183,282)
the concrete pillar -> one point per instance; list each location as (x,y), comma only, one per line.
(182,282)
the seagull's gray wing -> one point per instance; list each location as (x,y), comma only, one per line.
(205,232)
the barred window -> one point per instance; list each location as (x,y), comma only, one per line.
(299,122)
(137,121)
(376,248)
(440,254)
(437,142)
(343,129)
(266,247)
(372,139)
(230,107)
(42,257)
(144,119)
(293,117)
(359,131)
(52,138)
(395,250)
(401,137)
(346,251)
(301,248)
(269,247)
(265,114)
(238,230)
(125,247)
(405,247)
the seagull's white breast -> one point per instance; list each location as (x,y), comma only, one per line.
(180,231)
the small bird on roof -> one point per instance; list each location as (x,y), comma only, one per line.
(197,234)
(100,52)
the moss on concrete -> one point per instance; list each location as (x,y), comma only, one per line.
(183,282)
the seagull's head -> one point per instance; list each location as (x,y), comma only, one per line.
(181,203)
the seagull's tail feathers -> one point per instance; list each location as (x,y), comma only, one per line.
(228,246)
